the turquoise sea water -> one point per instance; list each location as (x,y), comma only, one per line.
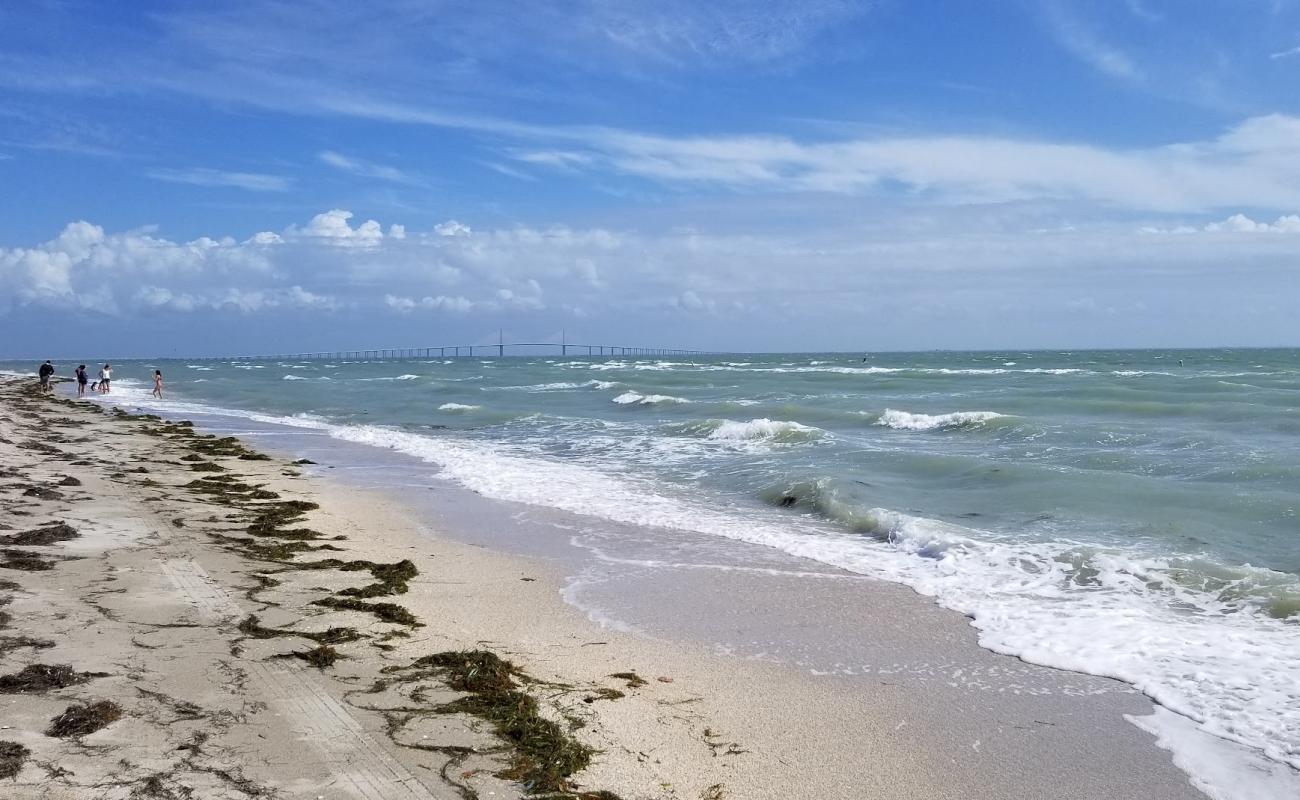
(1125,513)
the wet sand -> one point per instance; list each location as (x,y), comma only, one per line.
(240,629)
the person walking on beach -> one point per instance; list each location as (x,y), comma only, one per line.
(46,370)
(105,375)
(157,383)
(82,380)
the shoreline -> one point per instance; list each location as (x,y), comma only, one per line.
(724,725)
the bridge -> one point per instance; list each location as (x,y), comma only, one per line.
(562,348)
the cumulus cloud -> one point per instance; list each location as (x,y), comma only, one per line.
(745,282)
(406,305)
(332,227)
(1240,223)
(84,267)
(451,228)
(1237,223)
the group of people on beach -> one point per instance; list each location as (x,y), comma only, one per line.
(102,385)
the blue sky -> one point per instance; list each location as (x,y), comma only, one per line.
(252,175)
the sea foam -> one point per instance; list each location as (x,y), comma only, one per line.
(908,421)
(458,407)
(638,399)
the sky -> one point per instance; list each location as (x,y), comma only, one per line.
(259,176)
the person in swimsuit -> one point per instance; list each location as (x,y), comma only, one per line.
(157,383)
(105,375)
(82,380)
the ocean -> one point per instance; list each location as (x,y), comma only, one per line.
(1130,514)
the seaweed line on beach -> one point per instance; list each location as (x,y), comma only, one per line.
(542,755)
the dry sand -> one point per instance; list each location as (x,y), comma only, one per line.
(146,601)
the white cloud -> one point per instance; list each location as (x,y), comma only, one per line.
(824,277)
(396,231)
(1084,43)
(246,301)
(406,305)
(265,238)
(1240,223)
(691,301)
(1237,223)
(1294,51)
(451,228)
(1256,163)
(367,169)
(203,176)
(332,227)
(83,266)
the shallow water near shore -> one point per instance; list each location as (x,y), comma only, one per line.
(1116,513)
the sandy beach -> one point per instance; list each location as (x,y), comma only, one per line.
(183,616)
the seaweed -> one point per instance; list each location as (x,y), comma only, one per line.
(12,756)
(38,678)
(23,560)
(544,755)
(46,534)
(390,578)
(320,657)
(251,626)
(604,693)
(8,643)
(634,681)
(85,719)
(43,493)
(386,612)
(155,787)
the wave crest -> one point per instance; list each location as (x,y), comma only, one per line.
(908,421)
(635,398)
(457,407)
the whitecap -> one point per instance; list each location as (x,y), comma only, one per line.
(457,407)
(908,421)
(634,398)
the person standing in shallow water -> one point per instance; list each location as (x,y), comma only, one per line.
(157,383)
(105,375)
(46,370)
(82,380)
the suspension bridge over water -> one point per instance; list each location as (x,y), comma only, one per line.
(500,349)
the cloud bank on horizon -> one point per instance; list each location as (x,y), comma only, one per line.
(740,175)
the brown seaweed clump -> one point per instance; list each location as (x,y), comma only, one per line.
(634,681)
(82,720)
(12,756)
(320,657)
(46,534)
(37,678)
(23,560)
(545,756)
